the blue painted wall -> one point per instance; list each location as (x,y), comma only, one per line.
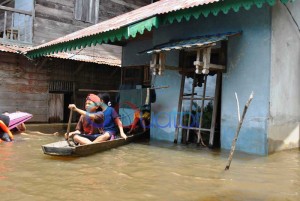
(248,69)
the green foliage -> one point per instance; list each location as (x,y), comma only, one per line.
(196,111)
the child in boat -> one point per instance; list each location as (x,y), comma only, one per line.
(111,120)
(5,134)
(90,121)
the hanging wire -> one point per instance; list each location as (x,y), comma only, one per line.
(76,53)
(292,16)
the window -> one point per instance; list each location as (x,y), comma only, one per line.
(87,10)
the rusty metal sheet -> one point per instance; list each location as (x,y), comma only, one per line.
(113,57)
(13,49)
(86,58)
(100,54)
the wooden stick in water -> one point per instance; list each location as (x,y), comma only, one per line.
(237,131)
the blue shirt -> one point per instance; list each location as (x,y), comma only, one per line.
(109,119)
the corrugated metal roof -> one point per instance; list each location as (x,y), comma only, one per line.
(100,54)
(104,54)
(85,58)
(13,49)
(145,18)
(157,8)
(194,42)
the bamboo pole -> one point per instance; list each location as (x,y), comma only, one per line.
(68,128)
(238,130)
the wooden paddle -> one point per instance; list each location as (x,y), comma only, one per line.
(68,128)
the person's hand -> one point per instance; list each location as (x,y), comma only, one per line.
(123,135)
(66,136)
(70,134)
(72,107)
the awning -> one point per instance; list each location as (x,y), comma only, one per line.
(216,8)
(194,42)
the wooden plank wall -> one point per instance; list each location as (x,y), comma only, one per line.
(23,87)
(24,83)
(55,18)
(111,8)
(86,76)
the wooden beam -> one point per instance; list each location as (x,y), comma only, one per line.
(211,67)
(125,4)
(215,110)
(5,2)
(40,66)
(95,90)
(117,91)
(5,8)
(78,68)
(216,67)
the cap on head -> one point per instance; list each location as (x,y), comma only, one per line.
(94,98)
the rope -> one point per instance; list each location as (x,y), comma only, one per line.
(292,16)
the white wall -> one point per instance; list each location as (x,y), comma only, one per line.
(285,82)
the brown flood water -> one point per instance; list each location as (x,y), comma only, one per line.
(149,171)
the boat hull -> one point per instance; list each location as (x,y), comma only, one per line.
(62,148)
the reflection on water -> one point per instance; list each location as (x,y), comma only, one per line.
(154,171)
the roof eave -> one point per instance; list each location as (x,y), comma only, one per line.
(139,27)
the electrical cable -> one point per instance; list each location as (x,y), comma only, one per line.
(292,16)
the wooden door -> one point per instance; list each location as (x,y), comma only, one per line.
(56,108)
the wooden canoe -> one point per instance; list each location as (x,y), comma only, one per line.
(62,148)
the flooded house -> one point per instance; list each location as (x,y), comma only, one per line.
(205,52)
(46,85)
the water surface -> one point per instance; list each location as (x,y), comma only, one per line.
(149,171)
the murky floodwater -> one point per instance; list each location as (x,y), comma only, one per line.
(153,171)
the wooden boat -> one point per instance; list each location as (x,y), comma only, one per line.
(62,148)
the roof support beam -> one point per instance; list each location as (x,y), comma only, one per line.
(15,10)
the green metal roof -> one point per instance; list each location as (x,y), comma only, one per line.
(194,42)
(215,8)
(126,31)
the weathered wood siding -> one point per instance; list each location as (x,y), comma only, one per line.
(23,87)
(85,76)
(24,84)
(56,18)
(111,8)
(53,19)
